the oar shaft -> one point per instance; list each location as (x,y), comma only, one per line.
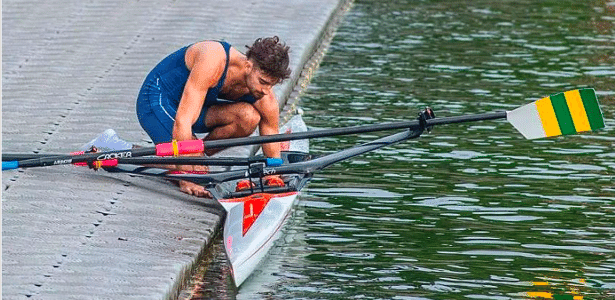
(207,161)
(412,125)
(467,118)
(196,146)
(87,157)
(24,156)
(308,134)
(182,160)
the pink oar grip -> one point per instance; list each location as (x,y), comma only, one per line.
(97,163)
(81,164)
(177,148)
(106,163)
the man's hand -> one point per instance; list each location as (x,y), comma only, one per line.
(269,110)
(194,189)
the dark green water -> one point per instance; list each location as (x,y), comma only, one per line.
(468,211)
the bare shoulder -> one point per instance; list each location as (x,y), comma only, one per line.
(236,55)
(208,53)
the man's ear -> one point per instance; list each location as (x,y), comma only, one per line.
(249,65)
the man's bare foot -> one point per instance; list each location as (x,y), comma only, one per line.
(192,188)
(199,168)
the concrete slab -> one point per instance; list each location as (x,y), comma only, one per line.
(71,69)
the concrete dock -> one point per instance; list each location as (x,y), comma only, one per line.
(71,69)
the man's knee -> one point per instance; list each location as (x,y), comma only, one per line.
(247,119)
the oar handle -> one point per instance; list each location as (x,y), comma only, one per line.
(10,165)
(176,148)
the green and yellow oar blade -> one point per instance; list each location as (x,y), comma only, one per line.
(565,113)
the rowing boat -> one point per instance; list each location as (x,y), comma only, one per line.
(256,212)
(255,215)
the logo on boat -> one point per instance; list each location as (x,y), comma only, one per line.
(269,171)
(115,155)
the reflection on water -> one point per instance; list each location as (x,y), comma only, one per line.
(468,211)
(213,278)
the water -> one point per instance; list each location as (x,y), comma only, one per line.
(469,211)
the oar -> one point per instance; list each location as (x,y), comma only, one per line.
(183,160)
(24,156)
(198,146)
(76,158)
(560,114)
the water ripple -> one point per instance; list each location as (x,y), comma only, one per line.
(469,210)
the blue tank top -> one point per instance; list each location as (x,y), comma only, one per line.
(173,75)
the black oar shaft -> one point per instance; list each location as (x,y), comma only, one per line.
(309,134)
(468,118)
(24,156)
(189,146)
(70,159)
(231,161)
(184,160)
(412,125)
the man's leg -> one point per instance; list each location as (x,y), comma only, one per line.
(158,121)
(231,120)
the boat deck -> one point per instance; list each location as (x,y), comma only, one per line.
(71,69)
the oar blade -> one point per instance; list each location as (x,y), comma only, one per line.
(565,113)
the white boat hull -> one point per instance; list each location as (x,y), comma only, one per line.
(253,222)
(247,251)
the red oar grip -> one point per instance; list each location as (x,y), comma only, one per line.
(97,164)
(81,164)
(104,163)
(176,148)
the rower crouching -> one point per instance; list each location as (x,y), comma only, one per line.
(210,87)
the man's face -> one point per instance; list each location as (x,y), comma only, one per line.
(260,83)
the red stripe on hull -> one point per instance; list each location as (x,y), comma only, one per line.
(253,205)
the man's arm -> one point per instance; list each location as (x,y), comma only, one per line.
(269,110)
(205,71)
(204,74)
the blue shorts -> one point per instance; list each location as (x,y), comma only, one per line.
(156,111)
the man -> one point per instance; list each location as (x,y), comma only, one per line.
(210,87)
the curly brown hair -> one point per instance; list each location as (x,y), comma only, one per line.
(271,56)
